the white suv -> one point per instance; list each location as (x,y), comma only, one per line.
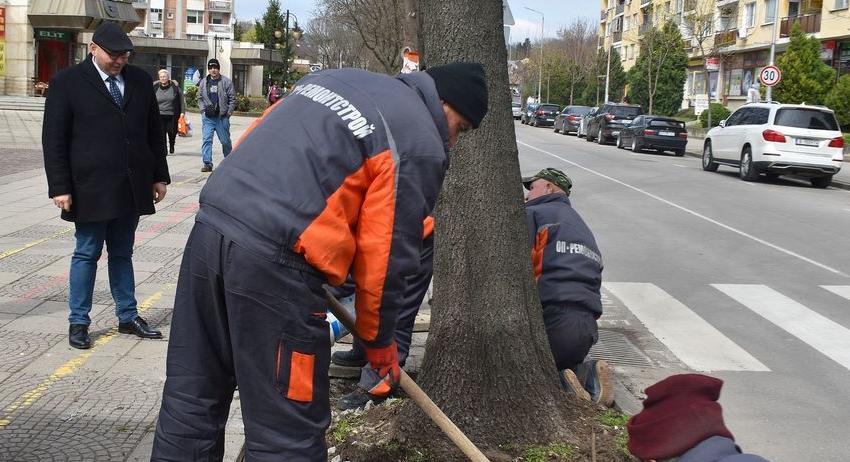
(777,139)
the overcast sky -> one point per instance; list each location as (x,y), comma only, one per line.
(558,13)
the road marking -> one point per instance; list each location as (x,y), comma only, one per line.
(682,166)
(692,212)
(693,340)
(821,333)
(841,291)
(28,398)
(9,253)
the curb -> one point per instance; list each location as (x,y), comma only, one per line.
(835,183)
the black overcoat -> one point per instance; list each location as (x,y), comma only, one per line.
(107,157)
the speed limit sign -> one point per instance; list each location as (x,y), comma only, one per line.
(770,76)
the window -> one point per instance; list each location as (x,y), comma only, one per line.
(759,116)
(749,15)
(194,17)
(770,11)
(811,119)
(625,111)
(840,4)
(155,15)
(666,123)
(627,22)
(738,117)
(217,18)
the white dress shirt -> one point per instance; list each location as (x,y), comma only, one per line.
(104,76)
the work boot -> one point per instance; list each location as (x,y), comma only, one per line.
(207,168)
(350,358)
(595,375)
(357,399)
(572,385)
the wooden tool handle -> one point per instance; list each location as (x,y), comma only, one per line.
(416,394)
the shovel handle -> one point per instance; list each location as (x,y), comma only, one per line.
(416,394)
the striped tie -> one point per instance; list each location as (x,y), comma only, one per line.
(114,91)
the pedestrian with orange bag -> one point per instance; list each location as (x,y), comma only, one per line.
(171,104)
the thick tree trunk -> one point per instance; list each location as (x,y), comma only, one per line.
(487,362)
(411,25)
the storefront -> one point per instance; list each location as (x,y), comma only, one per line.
(173,55)
(742,71)
(54,52)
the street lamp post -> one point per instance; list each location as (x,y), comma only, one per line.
(540,74)
(769,92)
(295,32)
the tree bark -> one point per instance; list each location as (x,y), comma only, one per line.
(487,362)
(411,25)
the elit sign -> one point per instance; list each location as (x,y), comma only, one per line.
(43,34)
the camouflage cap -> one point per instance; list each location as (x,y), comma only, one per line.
(553,175)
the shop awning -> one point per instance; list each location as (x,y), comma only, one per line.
(81,14)
(170,46)
(255,56)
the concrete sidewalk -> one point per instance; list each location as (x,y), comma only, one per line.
(56,402)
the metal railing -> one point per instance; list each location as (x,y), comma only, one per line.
(725,38)
(220,5)
(220,28)
(810,23)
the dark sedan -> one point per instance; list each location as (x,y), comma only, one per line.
(654,132)
(569,119)
(525,118)
(544,115)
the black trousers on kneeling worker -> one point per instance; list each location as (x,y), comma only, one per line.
(572,330)
(253,320)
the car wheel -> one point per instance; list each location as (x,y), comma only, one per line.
(748,171)
(619,142)
(555,128)
(600,138)
(636,146)
(679,152)
(821,182)
(587,136)
(708,163)
(579,133)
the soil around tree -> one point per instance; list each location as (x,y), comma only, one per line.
(375,435)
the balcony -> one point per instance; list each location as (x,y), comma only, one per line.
(725,38)
(220,28)
(810,23)
(220,6)
(142,5)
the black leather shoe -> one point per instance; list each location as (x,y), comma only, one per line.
(350,358)
(78,336)
(140,327)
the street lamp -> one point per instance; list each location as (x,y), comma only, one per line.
(540,76)
(295,33)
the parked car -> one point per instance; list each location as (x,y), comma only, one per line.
(654,132)
(569,119)
(777,139)
(526,114)
(544,115)
(516,110)
(609,120)
(582,127)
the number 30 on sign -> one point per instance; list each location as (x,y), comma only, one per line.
(770,76)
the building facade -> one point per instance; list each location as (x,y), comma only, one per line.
(44,36)
(728,40)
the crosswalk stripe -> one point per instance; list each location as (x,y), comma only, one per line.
(693,340)
(841,291)
(821,333)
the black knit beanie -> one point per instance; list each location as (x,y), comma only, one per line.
(464,87)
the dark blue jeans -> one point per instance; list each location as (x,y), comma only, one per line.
(119,234)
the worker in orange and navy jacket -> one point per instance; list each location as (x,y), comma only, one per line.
(371,387)
(336,178)
(568,269)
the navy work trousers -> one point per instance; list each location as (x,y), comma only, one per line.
(572,331)
(253,321)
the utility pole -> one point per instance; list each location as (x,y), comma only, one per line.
(769,92)
(540,74)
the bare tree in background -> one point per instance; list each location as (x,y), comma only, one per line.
(575,51)
(379,23)
(336,43)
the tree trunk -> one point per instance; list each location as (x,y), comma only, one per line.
(487,362)
(411,25)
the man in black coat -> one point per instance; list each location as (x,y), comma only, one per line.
(104,154)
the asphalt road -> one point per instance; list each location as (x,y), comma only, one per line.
(749,282)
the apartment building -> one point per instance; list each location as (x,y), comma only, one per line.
(728,40)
